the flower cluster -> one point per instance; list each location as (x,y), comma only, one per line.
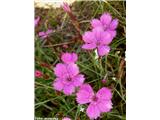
(102,34)
(68,76)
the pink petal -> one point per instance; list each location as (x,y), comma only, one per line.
(90,46)
(105,106)
(66,7)
(58,84)
(104,94)
(106,19)
(38,74)
(93,111)
(103,50)
(41,34)
(85,94)
(112,32)
(88,37)
(114,24)
(97,33)
(65,80)
(68,89)
(96,23)
(60,70)
(66,118)
(36,21)
(78,80)
(69,57)
(49,31)
(43,37)
(106,38)
(72,69)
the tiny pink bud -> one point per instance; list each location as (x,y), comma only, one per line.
(36,21)
(66,7)
(104,81)
(65,46)
(38,73)
(45,34)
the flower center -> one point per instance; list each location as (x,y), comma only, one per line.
(95,99)
(98,43)
(69,79)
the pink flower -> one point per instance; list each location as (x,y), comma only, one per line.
(36,21)
(68,78)
(43,35)
(69,57)
(98,103)
(38,74)
(97,39)
(66,7)
(66,118)
(106,23)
